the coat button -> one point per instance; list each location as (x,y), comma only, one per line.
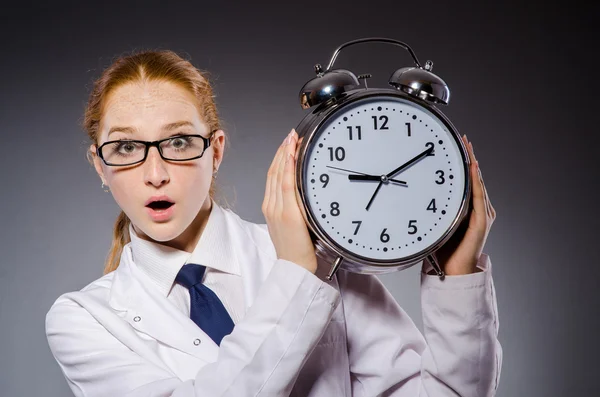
(197,342)
(137,318)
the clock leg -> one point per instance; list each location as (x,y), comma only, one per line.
(436,266)
(334,267)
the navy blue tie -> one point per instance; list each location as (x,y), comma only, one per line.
(206,309)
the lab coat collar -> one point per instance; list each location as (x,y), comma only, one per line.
(162,263)
(214,249)
(159,262)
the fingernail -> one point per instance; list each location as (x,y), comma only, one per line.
(288,139)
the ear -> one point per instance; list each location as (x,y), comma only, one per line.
(97,162)
(218,145)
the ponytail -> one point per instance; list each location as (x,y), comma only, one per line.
(120,238)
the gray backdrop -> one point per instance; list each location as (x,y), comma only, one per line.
(523,84)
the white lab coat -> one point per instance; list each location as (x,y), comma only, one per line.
(300,335)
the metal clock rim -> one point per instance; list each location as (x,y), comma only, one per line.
(319,117)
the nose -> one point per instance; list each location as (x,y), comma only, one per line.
(155,172)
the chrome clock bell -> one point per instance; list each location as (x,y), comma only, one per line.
(382,173)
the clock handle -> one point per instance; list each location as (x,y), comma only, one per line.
(334,267)
(436,266)
(373,39)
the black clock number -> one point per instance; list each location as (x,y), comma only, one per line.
(358,132)
(384,125)
(430,145)
(414,227)
(358,223)
(335,209)
(408,127)
(384,237)
(431,206)
(324,178)
(441,181)
(339,153)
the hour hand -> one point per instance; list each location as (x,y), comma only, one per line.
(364,177)
(361,176)
(378,178)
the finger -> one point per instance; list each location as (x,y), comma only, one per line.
(288,183)
(469,148)
(298,146)
(266,199)
(480,178)
(268,186)
(289,143)
(486,197)
(287,179)
(272,185)
(490,207)
(473,176)
(478,192)
(488,203)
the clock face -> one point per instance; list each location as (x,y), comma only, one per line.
(384,178)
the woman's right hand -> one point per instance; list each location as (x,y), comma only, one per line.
(282,211)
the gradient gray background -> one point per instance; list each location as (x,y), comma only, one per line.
(523,84)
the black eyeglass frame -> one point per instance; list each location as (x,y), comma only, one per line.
(157,145)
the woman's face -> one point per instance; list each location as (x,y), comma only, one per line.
(151,111)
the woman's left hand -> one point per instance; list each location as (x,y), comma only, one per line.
(460,254)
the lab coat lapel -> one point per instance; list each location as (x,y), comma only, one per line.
(151,313)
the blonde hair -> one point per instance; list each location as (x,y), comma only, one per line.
(143,66)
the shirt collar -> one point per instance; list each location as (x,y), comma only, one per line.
(162,263)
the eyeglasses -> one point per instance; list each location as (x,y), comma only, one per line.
(176,148)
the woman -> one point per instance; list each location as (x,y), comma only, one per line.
(195,301)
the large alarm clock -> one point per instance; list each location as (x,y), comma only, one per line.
(382,174)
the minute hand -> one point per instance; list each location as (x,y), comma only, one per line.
(410,162)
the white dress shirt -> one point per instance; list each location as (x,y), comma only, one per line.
(162,263)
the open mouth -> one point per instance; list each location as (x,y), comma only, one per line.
(160,205)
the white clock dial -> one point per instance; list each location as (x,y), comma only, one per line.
(413,208)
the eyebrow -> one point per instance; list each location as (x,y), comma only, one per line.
(167,127)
